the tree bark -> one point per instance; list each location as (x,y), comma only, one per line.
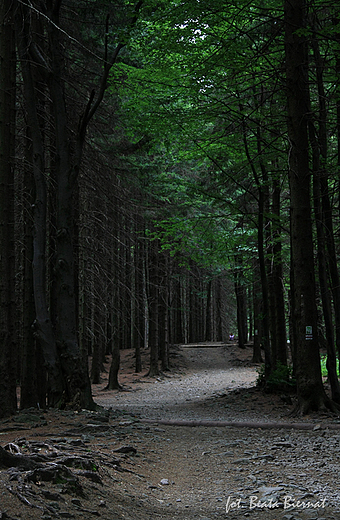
(74,365)
(153,299)
(43,326)
(31,357)
(240,304)
(8,343)
(277,281)
(138,325)
(320,148)
(257,301)
(177,326)
(325,293)
(33,375)
(163,312)
(113,383)
(263,201)
(208,313)
(310,391)
(324,226)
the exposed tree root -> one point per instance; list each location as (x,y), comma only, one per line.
(246,424)
(8,460)
(320,404)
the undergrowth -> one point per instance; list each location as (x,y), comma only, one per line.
(280,380)
(323,361)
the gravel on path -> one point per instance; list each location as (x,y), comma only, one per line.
(222,472)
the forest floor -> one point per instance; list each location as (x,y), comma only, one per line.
(200,442)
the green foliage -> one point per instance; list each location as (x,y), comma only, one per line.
(191,79)
(281,379)
(324,371)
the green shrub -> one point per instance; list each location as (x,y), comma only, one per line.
(280,379)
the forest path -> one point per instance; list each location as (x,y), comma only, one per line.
(208,473)
(126,468)
(202,372)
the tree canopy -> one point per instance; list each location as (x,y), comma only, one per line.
(176,169)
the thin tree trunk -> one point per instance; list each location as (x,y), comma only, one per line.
(218,306)
(263,200)
(163,313)
(192,325)
(277,280)
(257,355)
(138,329)
(177,312)
(208,324)
(153,297)
(240,303)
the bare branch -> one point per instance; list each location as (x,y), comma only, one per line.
(40,13)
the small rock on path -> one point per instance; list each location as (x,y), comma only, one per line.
(214,472)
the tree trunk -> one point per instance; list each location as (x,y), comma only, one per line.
(277,281)
(33,375)
(263,201)
(193,302)
(336,97)
(250,312)
(325,293)
(8,343)
(241,309)
(263,206)
(113,383)
(163,312)
(324,226)
(178,336)
(257,356)
(320,148)
(208,313)
(43,326)
(311,394)
(31,381)
(153,298)
(138,325)
(74,364)
(218,308)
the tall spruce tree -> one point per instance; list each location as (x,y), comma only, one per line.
(69,384)
(311,394)
(8,340)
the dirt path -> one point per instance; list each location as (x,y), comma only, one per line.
(201,472)
(139,470)
(206,372)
